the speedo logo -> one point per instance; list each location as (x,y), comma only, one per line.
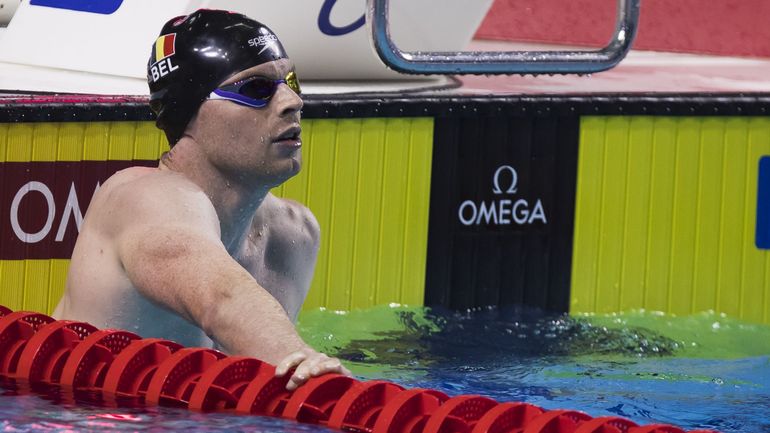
(263,41)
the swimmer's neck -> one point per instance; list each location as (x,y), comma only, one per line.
(237,205)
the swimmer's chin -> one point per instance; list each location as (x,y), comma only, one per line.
(296,166)
(288,170)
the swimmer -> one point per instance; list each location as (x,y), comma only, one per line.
(198,250)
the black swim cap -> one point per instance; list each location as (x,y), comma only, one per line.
(195,54)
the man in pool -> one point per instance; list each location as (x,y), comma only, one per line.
(197,250)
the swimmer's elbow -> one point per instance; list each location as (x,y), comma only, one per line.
(212,311)
(207,324)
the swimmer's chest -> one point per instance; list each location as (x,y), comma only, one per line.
(260,257)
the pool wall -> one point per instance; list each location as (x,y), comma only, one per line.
(571,203)
(666,216)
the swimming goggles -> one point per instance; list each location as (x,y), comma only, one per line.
(255,91)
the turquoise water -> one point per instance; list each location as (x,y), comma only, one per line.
(703,371)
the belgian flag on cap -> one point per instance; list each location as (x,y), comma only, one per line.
(164,46)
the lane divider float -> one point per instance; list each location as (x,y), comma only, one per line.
(119,368)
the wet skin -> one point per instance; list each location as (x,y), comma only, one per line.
(198,250)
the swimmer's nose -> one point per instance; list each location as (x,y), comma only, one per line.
(290,103)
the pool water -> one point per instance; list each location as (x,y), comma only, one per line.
(702,371)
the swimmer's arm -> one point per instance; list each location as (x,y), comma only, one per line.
(174,257)
(192,275)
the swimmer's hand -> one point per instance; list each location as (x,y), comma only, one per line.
(308,363)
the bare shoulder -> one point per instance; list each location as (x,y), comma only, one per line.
(150,196)
(292,224)
(146,185)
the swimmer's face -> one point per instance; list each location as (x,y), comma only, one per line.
(253,144)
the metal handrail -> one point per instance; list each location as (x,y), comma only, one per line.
(503,62)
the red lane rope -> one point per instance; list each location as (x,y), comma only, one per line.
(120,368)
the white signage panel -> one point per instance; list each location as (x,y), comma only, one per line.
(328,39)
(61,34)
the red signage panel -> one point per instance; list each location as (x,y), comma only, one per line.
(42,204)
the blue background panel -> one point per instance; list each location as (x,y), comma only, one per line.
(105,7)
(763,204)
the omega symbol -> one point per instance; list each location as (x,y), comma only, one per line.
(496,180)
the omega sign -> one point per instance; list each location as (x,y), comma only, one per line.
(71,210)
(42,205)
(503,210)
